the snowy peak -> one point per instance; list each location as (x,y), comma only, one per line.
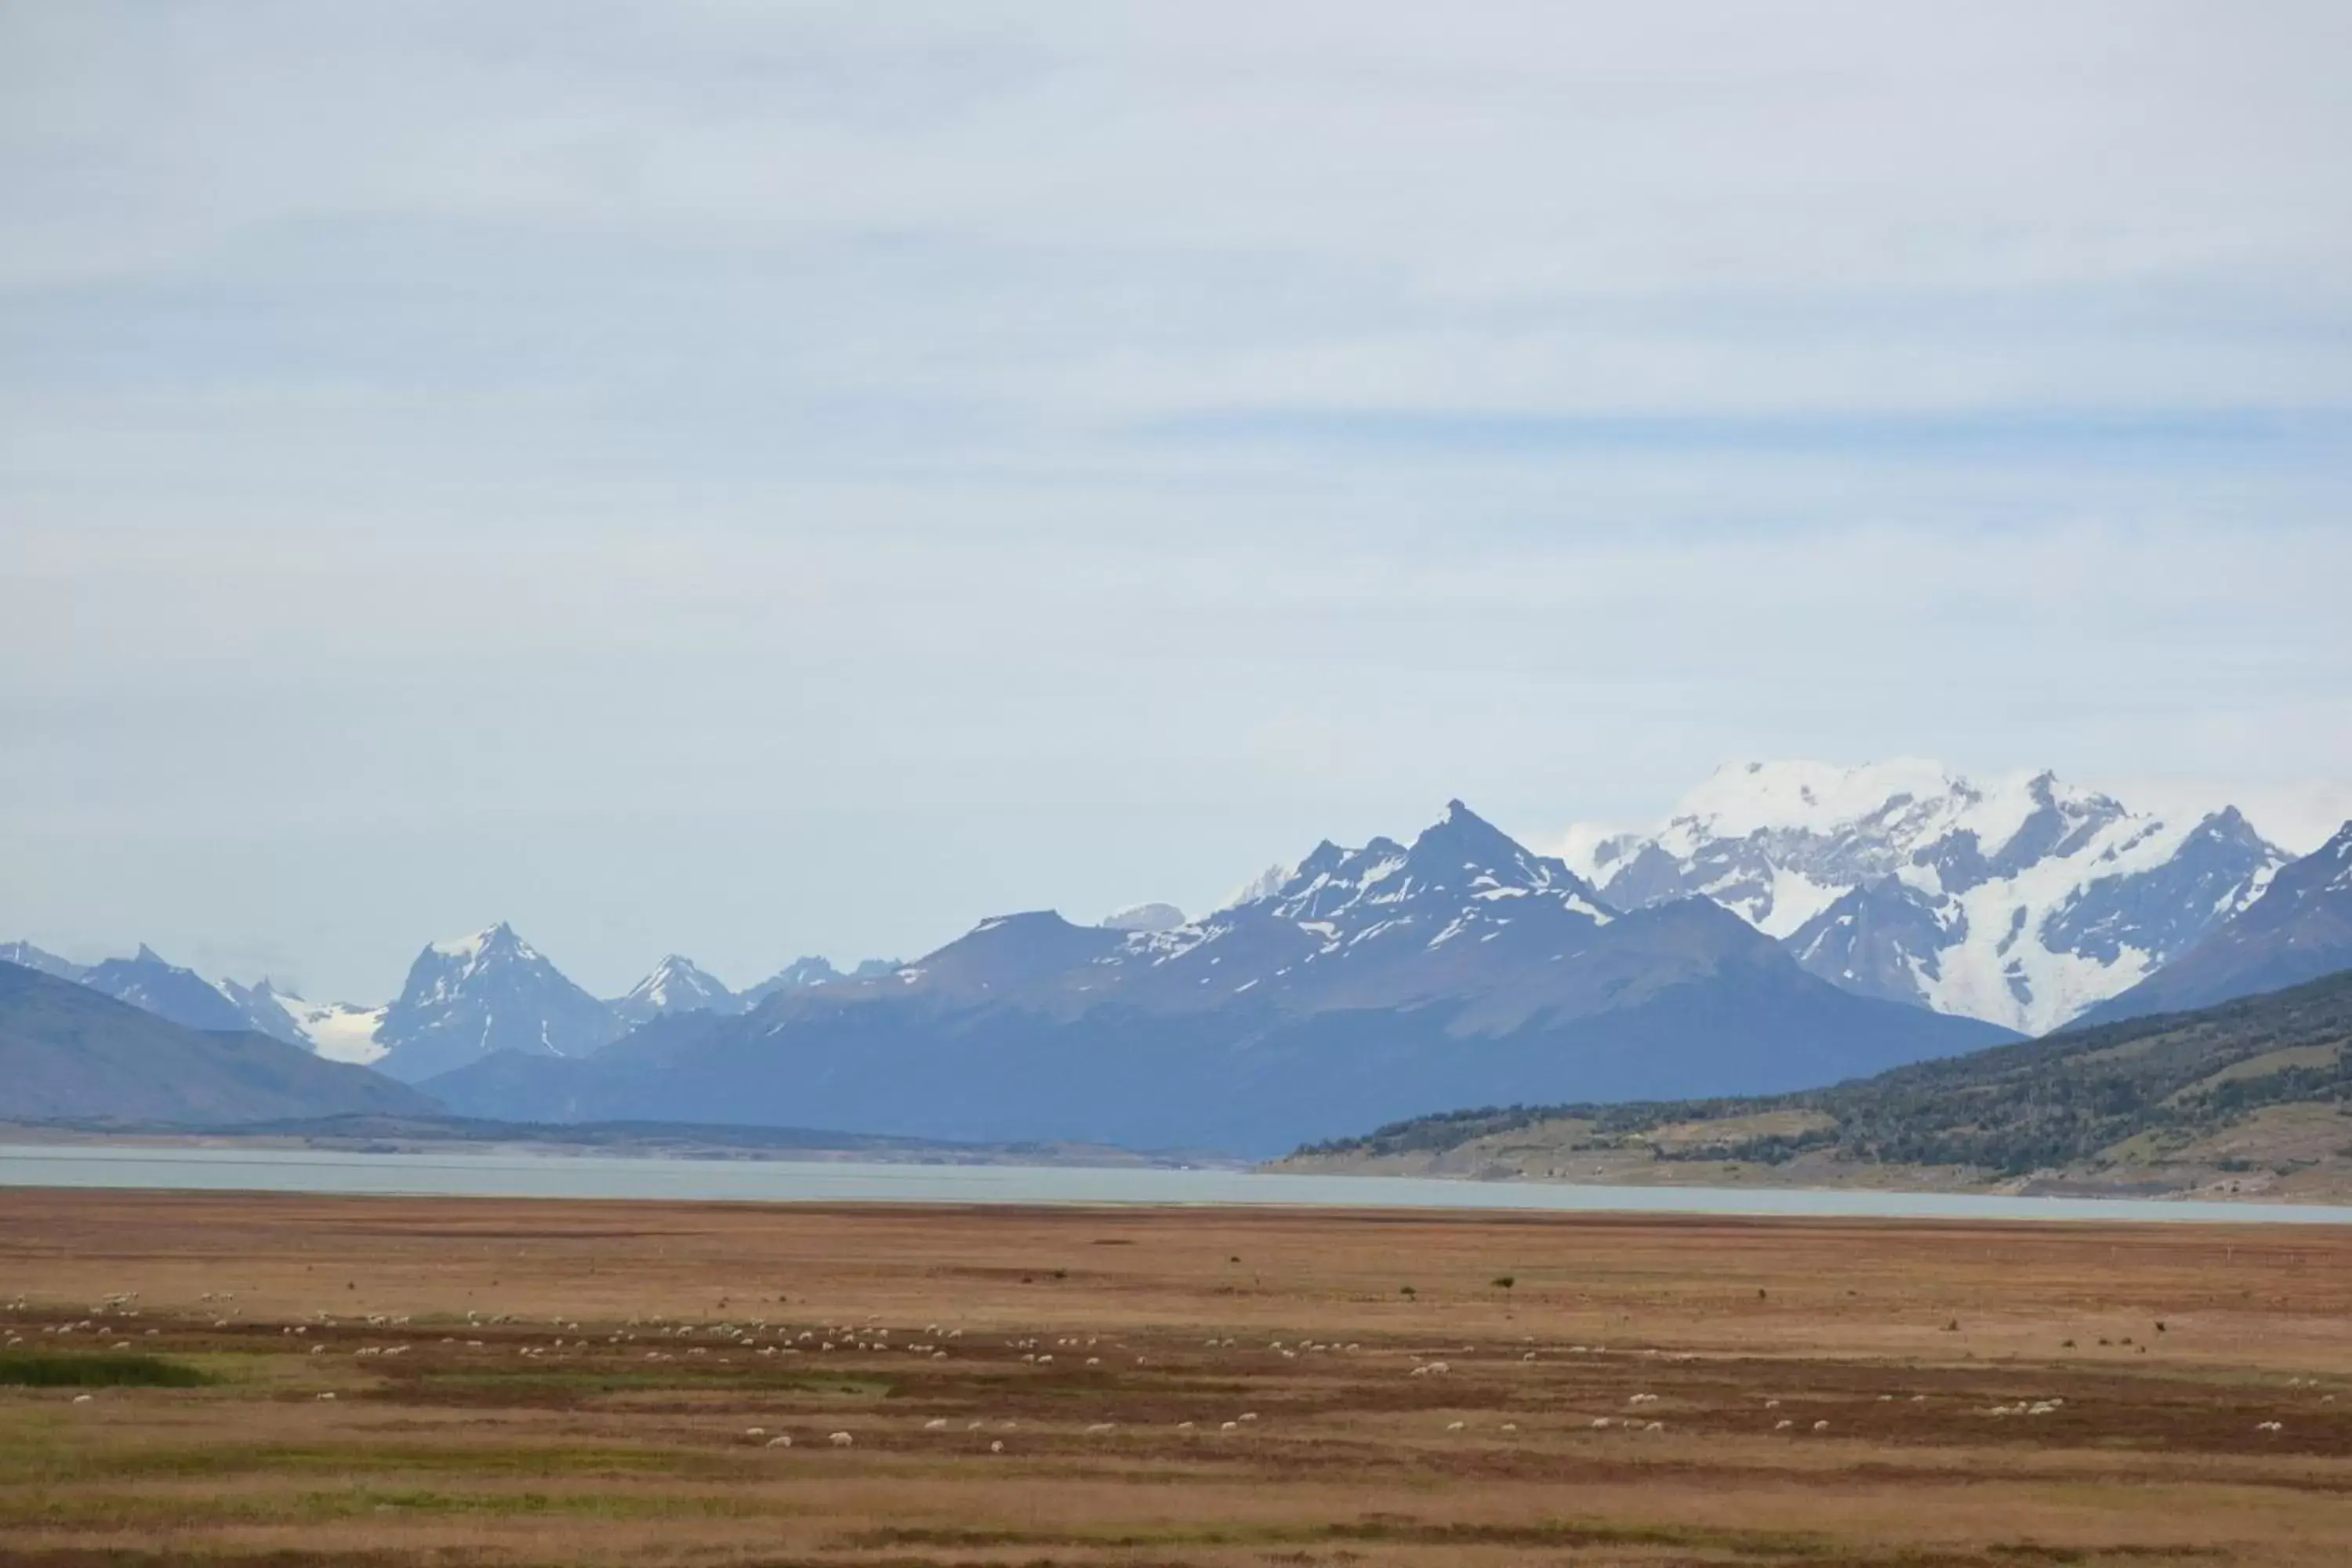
(2019,900)
(470,997)
(2300,929)
(675,986)
(1460,861)
(1144,917)
(493,944)
(1381,924)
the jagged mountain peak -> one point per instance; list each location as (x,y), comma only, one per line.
(489,944)
(469,997)
(676,984)
(150,981)
(2299,929)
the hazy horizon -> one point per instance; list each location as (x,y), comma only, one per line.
(751,481)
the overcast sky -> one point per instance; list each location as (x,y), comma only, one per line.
(751,480)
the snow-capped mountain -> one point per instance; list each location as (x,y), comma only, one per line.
(338,1031)
(148,980)
(2021,902)
(1358,986)
(2299,930)
(1383,925)
(335,1030)
(675,986)
(488,992)
(813,970)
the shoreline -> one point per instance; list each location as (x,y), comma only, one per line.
(460,1172)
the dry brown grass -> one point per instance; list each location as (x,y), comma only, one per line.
(463,1448)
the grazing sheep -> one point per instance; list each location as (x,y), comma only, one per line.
(996,1447)
(937,1423)
(840,1439)
(1782,1426)
(783,1442)
(1453,1426)
(1821,1425)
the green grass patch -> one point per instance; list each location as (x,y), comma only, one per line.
(102,1369)
(77,1507)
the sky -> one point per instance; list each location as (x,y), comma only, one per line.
(754,479)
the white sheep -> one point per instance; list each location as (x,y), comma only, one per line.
(840,1439)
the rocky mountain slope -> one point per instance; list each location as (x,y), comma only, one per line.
(1386,975)
(2021,902)
(147,980)
(2253,1096)
(71,1053)
(2299,929)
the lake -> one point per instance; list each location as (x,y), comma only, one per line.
(509,1175)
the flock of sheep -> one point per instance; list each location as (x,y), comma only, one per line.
(932,1342)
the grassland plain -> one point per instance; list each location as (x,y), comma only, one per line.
(281,1380)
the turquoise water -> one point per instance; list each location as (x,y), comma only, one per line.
(465,1174)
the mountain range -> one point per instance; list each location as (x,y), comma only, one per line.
(1791,925)
(464,998)
(2022,901)
(1365,980)
(69,1052)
